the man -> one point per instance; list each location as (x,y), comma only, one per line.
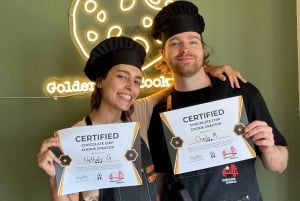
(179,26)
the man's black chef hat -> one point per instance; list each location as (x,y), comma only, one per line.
(111,52)
(177,17)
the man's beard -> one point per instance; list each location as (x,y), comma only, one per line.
(187,70)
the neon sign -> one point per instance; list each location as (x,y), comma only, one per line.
(76,87)
(91,21)
(61,88)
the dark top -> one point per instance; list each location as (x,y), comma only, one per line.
(145,192)
(210,184)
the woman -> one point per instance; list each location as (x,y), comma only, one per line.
(115,66)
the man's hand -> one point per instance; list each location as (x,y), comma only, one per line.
(274,157)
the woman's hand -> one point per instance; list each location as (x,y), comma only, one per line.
(220,72)
(46,157)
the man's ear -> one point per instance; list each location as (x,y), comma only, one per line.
(162,52)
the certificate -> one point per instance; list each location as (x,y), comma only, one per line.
(207,135)
(98,156)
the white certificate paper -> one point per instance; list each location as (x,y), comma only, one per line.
(207,135)
(98,156)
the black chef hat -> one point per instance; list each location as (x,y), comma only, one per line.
(113,51)
(177,17)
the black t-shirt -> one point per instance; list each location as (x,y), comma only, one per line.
(256,109)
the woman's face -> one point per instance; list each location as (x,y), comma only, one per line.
(121,86)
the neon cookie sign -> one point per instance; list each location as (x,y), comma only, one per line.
(94,20)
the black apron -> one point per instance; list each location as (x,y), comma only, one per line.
(145,192)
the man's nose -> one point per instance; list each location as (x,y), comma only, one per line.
(185,48)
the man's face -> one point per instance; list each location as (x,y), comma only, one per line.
(184,53)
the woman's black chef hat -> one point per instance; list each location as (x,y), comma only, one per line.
(111,52)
